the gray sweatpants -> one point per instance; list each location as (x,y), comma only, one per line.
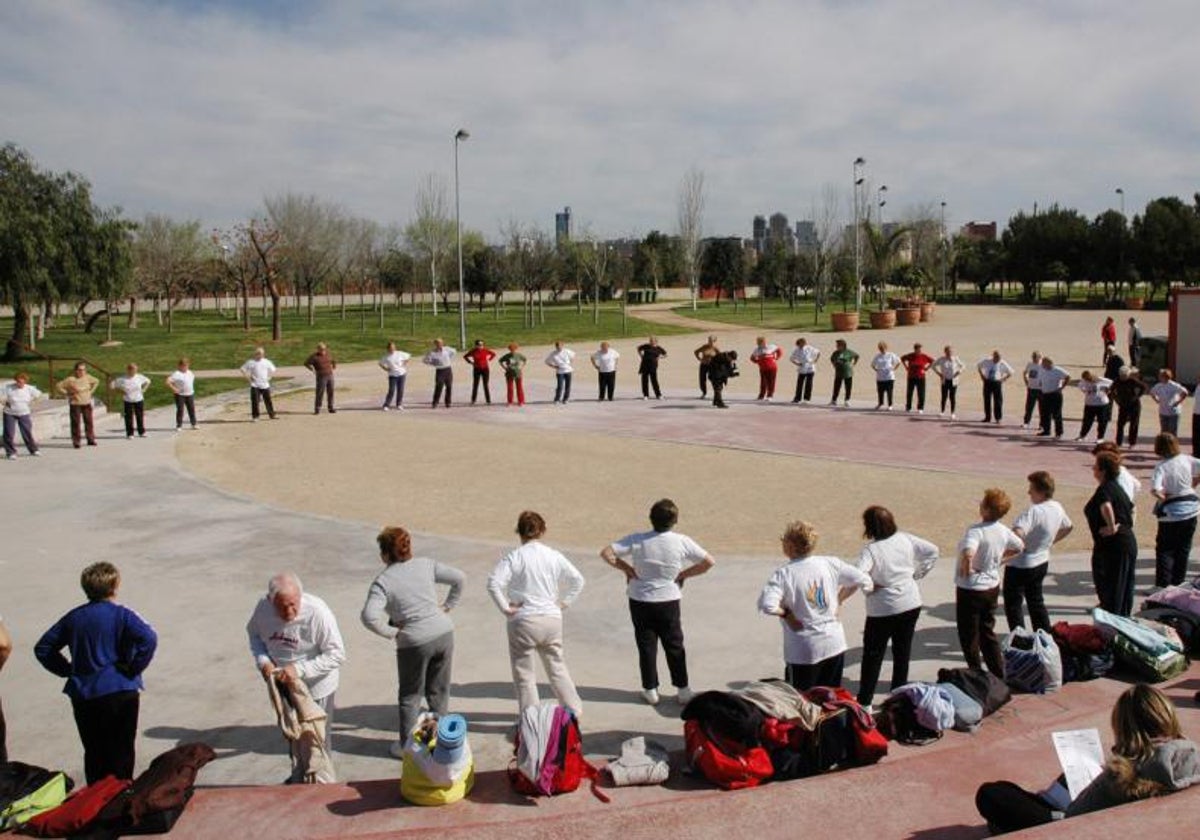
(424,672)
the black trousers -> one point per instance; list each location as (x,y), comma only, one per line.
(608,384)
(827,672)
(879,630)
(1007,807)
(804,383)
(1113,562)
(1025,585)
(443,380)
(703,379)
(949,392)
(477,377)
(107,727)
(1172,546)
(1101,414)
(135,414)
(993,400)
(650,380)
(884,390)
(975,615)
(1033,398)
(263,395)
(718,386)
(1050,405)
(1130,415)
(914,386)
(3,737)
(185,403)
(654,623)
(838,382)
(324,389)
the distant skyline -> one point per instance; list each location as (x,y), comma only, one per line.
(199,109)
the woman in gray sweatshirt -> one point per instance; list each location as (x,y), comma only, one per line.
(402,604)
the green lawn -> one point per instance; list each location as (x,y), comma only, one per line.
(215,342)
(772,314)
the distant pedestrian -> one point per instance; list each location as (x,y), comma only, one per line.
(322,364)
(1053,380)
(804,357)
(885,364)
(1134,340)
(605,361)
(18,398)
(133,390)
(1108,338)
(1169,395)
(915,364)
(182,384)
(513,362)
(704,355)
(1033,389)
(480,358)
(649,355)
(843,360)
(984,548)
(1040,526)
(949,369)
(561,358)
(806,594)
(531,586)
(766,356)
(395,363)
(79,388)
(258,371)
(655,564)
(441,359)
(993,373)
(110,646)
(1127,393)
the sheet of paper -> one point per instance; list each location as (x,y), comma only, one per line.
(1081,755)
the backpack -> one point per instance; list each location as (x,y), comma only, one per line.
(988,690)
(548,753)
(79,810)
(49,795)
(156,799)
(18,779)
(723,762)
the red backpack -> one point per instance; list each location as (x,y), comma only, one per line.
(730,766)
(562,766)
(869,744)
(79,811)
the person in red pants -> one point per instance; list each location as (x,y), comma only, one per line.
(513,364)
(766,356)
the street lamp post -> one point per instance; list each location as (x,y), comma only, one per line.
(1121,254)
(857,181)
(882,201)
(459,136)
(945,248)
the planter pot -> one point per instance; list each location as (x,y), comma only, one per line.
(844,321)
(908,317)
(926,311)
(884,320)
(897,303)
(1135,303)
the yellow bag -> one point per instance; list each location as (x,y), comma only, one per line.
(50,795)
(424,781)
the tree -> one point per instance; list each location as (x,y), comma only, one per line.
(1032,243)
(264,242)
(1167,243)
(826,249)
(723,267)
(242,266)
(978,261)
(593,257)
(310,239)
(658,261)
(430,235)
(1109,247)
(168,255)
(690,209)
(883,250)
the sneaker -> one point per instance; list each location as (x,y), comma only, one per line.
(36,454)
(399,408)
(9,456)
(953,416)
(194,427)
(920,411)
(941,414)
(846,404)
(385,408)
(128,437)
(645,398)
(833,402)
(684,696)
(890,407)
(1024,425)
(253,419)
(396,749)
(650,695)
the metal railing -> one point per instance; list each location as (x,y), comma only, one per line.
(107,397)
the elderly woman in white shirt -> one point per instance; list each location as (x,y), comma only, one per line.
(895,560)
(18,397)
(1174,485)
(1097,406)
(984,548)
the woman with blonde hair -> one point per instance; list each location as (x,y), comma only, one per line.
(1150,757)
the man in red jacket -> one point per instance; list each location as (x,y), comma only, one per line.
(916,364)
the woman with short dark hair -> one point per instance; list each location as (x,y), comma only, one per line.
(403,605)
(895,560)
(1109,516)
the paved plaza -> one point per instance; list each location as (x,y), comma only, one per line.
(198,522)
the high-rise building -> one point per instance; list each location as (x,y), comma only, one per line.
(779,233)
(806,236)
(759,235)
(562,227)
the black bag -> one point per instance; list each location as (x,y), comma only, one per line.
(156,799)
(897,720)
(1182,622)
(1085,666)
(989,691)
(727,716)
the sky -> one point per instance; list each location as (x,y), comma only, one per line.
(201,109)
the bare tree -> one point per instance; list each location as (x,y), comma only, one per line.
(430,234)
(168,256)
(310,232)
(827,223)
(691,226)
(593,257)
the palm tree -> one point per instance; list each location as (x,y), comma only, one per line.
(882,251)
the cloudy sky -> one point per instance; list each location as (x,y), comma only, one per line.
(198,109)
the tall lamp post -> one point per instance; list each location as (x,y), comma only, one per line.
(882,202)
(857,181)
(945,248)
(459,136)
(1121,254)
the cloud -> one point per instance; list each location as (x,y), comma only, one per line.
(200,109)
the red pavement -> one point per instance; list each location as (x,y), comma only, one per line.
(916,792)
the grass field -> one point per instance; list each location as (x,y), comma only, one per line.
(215,342)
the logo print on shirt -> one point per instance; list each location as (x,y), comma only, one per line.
(816,595)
